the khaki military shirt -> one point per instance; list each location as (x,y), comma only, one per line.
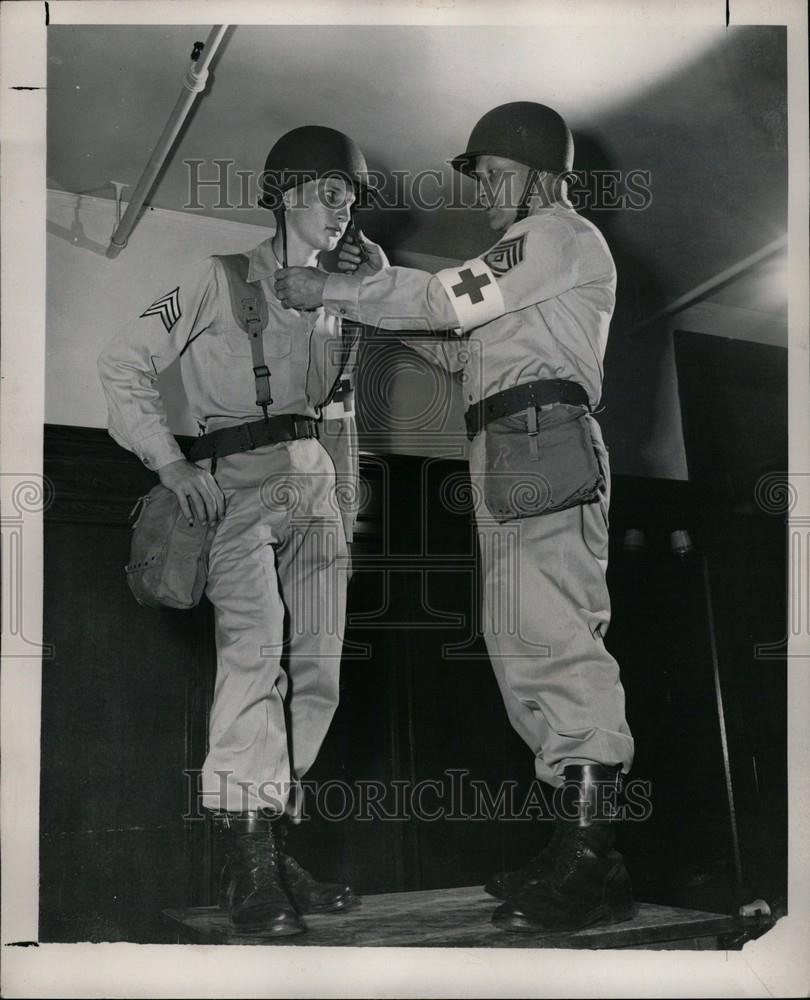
(194,321)
(538,303)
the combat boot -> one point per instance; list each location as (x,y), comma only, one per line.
(251,888)
(307,894)
(586,881)
(504,885)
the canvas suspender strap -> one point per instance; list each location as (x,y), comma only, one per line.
(249,308)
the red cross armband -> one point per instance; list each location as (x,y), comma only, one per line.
(473,292)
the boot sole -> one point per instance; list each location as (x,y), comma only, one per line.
(262,930)
(504,894)
(341,906)
(600,915)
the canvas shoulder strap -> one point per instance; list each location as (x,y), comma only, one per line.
(249,308)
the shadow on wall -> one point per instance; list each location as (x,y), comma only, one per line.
(390,227)
(639,412)
(709,135)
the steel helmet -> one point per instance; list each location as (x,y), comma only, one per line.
(523,131)
(310,153)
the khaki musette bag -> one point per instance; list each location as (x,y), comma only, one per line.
(168,562)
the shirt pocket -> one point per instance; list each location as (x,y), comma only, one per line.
(233,376)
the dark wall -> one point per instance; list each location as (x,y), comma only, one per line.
(123,708)
(734,408)
(125,700)
(734,411)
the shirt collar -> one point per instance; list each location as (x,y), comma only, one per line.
(262,261)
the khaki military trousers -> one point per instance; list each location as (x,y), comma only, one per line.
(546,609)
(277,581)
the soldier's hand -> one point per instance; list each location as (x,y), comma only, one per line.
(300,287)
(363,258)
(197,492)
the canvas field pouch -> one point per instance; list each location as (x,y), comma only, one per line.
(539,461)
(168,561)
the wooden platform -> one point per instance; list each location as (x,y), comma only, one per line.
(459,918)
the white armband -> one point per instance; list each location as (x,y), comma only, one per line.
(338,409)
(342,405)
(473,292)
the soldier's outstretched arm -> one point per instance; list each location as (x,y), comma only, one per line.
(530,264)
(369,260)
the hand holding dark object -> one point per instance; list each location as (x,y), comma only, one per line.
(197,492)
(300,287)
(358,255)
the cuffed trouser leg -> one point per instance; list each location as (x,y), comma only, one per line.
(546,609)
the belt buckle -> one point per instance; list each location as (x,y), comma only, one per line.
(245,438)
(304,428)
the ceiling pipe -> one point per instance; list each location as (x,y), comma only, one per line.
(713,284)
(194,83)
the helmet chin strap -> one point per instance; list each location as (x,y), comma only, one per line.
(282,225)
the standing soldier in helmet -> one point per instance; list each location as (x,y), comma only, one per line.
(530,320)
(268,388)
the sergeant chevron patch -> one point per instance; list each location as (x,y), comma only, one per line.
(167,307)
(506,255)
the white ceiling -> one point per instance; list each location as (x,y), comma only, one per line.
(703,111)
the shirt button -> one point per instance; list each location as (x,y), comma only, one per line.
(464,377)
(463,357)
(470,397)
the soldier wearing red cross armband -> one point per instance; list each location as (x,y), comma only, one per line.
(530,320)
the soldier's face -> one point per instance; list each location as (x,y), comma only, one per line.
(500,186)
(319,212)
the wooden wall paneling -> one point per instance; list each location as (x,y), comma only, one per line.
(659,636)
(464,744)
(115,728)
(748,576)
(348,834)
(734,405)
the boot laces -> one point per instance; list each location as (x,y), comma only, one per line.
(261,856)
(293,871)
(571,850)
